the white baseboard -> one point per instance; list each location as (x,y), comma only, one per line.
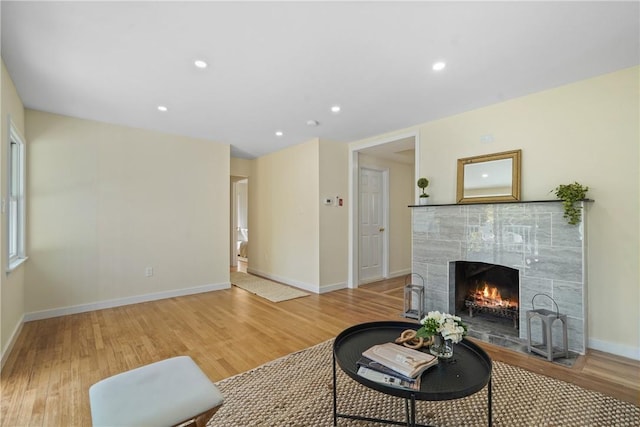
(613,348)
(300,285)
(296,284)
(334,287)
(82,308)
(390,275)
(14,336)
(399,273)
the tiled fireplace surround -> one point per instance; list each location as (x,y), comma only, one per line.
(532,237)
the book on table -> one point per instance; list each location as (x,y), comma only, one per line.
(371,364)
(405,361)
(391,380)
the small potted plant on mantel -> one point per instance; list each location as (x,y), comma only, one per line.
(570,194)
(422,184)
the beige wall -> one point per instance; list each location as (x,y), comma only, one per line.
(588,132)
(334,222)
(401,195)
(12,285)
(284,216)
(108,201)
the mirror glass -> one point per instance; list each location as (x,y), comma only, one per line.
(489,178)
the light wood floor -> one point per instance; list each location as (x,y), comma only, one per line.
(46,378)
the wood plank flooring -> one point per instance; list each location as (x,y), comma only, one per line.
(47,376)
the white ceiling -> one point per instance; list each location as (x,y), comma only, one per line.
(273,66)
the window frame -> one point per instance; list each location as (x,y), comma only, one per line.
(14,206)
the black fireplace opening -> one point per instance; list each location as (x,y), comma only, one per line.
(487,292)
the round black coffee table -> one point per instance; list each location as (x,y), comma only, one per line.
(468,372)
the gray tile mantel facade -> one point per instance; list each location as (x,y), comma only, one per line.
(532,237)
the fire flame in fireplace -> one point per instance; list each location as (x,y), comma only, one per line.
(489,296)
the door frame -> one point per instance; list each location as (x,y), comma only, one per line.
(354,172)
(233,236)
(385,218)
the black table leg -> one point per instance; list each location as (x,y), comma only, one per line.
(335,396)
(489,403)
(413,410)
(406,411)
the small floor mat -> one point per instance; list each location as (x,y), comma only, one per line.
(265,288)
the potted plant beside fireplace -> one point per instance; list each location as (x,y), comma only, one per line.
(422,184)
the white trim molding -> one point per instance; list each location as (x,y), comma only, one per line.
(83,308)
(614,348)
(14,337)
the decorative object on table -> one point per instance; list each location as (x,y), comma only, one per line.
(570,194)
(409,338)
(413,296)
(441,348)
(422,184)
(446,329)
(405,361)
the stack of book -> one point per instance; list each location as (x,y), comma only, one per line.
(395,365)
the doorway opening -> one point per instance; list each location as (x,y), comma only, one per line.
(379,218)
(239,222)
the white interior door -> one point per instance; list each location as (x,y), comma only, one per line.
(372,225)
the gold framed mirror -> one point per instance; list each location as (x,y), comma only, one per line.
(489,178)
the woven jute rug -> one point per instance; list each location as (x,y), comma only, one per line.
(274,292)
(296,390)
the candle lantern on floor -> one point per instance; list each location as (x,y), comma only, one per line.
(547,318)
(414,296)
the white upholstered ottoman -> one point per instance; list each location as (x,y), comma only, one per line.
(165,393)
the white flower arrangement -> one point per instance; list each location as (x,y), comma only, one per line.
(449,326)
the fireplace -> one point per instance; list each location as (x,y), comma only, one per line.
(549,258)
(489,291)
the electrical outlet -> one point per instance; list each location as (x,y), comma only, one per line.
(148,271)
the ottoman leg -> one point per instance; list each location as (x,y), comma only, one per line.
(202,419)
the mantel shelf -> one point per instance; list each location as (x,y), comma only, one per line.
(495,203)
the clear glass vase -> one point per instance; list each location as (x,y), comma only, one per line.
(441,348)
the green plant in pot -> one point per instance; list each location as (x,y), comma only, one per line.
(570,194)
(422,184)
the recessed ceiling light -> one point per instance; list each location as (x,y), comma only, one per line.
(200,63)
(439,66)
(162,108)
(335,109)
(279,133)
(485,175)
